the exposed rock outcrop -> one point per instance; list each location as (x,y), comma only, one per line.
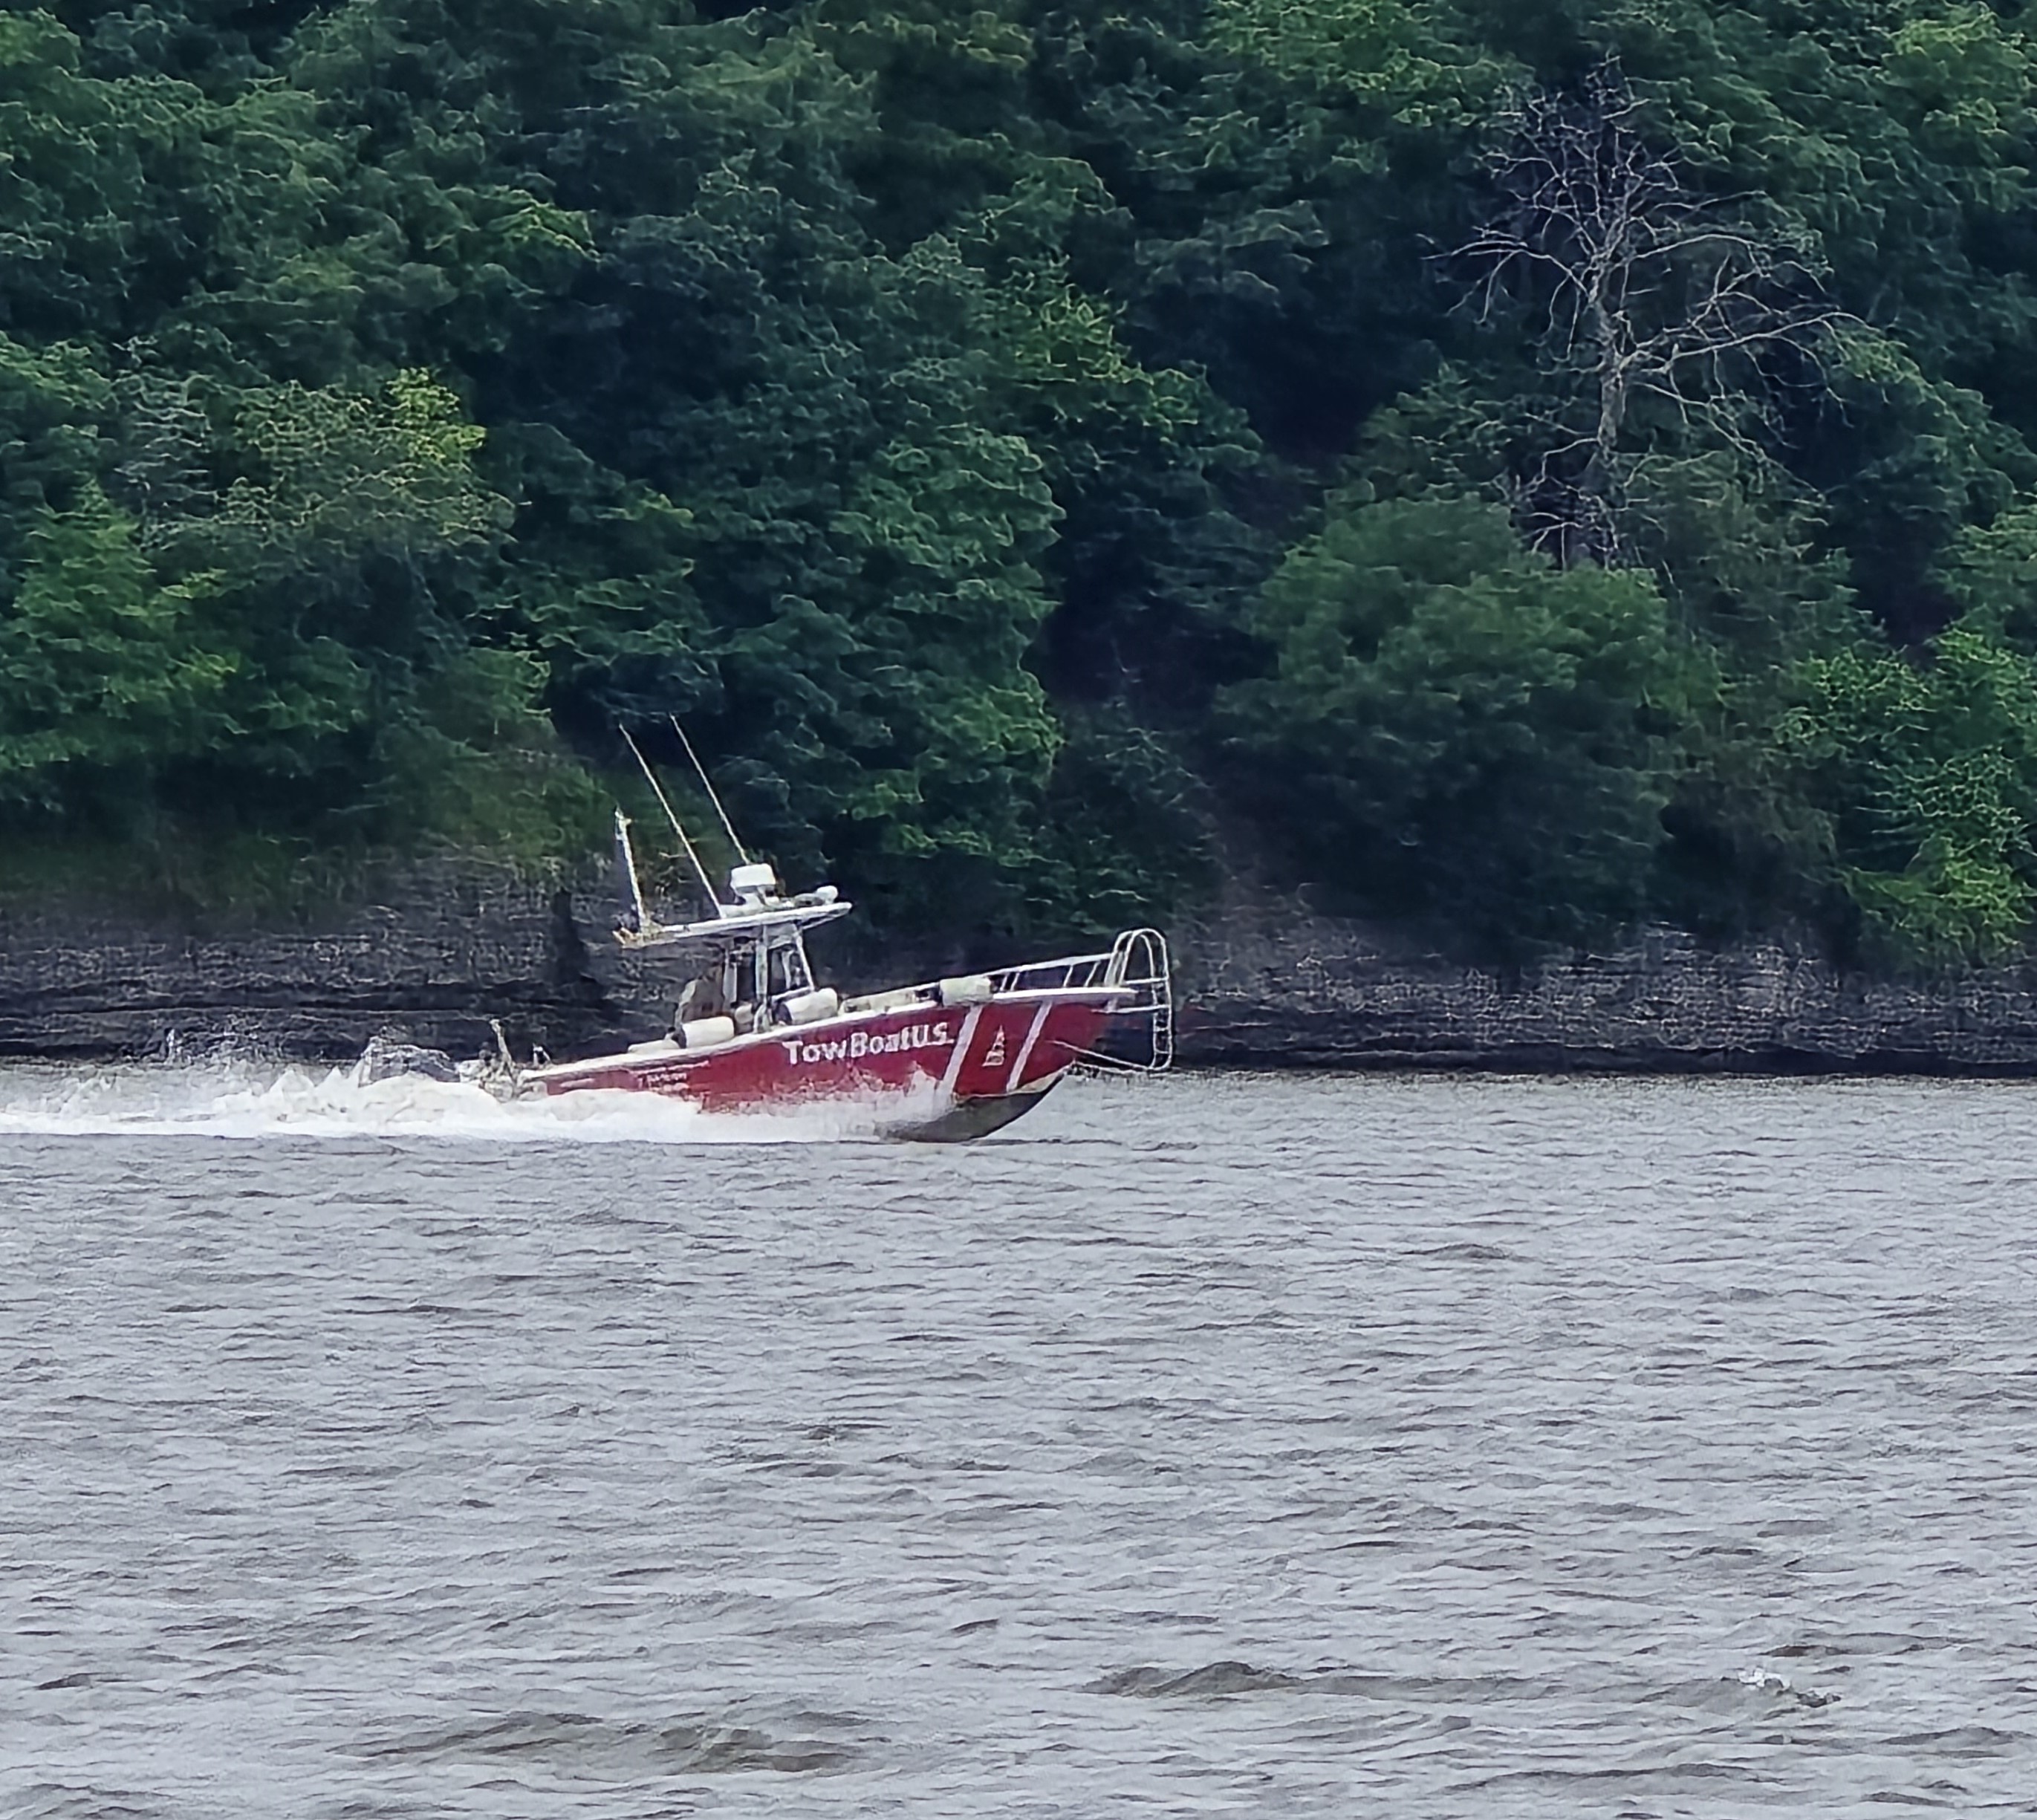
(1264,982)
(437,954)
(445,948)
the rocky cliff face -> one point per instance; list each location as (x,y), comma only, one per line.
(446,948)
(439,953)
(1264,982)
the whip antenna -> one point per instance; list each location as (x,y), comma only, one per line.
(638,918)
(707,783)
(651,777)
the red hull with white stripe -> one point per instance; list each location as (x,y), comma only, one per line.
(924,1069)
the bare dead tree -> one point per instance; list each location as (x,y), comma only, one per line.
(1646,290)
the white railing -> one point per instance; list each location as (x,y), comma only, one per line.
(1077,973)
(1140,964)
(1134,974)
(1135,971)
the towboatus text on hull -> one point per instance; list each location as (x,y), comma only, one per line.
(949,1059)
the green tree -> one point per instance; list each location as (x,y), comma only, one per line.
(1462,728)
(1931,771)
(102,671)
(916,400)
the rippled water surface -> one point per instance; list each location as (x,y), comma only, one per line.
(1224,1445)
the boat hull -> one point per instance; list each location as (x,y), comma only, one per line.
(938,1073)
(968,1119)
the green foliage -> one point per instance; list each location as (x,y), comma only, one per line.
(1384,58)
(475,767)
(1126,834)
(102,669)
(1932,772)
(1460,724)
(332,482)
(1017,439)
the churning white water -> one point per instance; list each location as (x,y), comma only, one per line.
(248,1098)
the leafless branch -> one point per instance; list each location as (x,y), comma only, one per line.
(1642,289)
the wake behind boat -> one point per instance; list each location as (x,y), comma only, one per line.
(947,1060)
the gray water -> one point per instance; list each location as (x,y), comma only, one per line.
(1237,1445)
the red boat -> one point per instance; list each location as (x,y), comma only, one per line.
(948,1060)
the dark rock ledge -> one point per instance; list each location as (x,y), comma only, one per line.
(1262,982)
(1267,983)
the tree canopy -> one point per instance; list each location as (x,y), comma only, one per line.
(1531,467)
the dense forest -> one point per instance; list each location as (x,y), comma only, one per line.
(1523,466)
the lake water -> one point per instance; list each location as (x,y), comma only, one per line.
(1223,1445)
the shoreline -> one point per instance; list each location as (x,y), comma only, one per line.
(1262,982)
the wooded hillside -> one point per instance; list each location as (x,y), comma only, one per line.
(1529,465)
